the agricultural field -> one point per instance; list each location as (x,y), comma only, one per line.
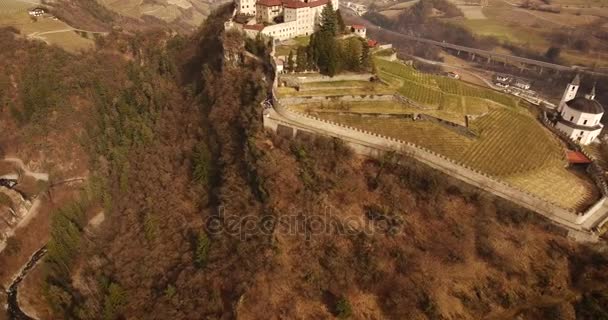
(14,13)
(531,28)
(432,90)
(422,133)
(8,8)
(511,144)
(187,12)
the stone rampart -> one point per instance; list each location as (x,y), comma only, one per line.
(370,143)
(594,170)
(308,78)
(290,101)
(373,144)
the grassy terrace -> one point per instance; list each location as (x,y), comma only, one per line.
(292,44)
(336,88)
(511,145)
(388,107)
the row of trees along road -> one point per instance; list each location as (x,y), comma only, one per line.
(329,54)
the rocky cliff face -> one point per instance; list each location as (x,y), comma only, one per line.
(13,207)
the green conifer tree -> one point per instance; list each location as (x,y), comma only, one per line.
(301,59)
(340,22)
(365,56)
(329,21)
(290,62)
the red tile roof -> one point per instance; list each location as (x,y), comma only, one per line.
(372,43)
(295,4)
(358,26)
(269,3)
(257,27)
(318,3)
(576,157)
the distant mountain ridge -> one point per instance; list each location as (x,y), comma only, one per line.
(183,15)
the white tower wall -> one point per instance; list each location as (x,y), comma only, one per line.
(569,94)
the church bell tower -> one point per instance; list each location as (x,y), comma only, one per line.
(570,93)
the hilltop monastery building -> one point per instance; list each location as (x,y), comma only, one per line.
(282,19)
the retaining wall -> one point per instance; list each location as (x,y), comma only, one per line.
(372,144)
(594,170)
(457,128)
(332,99)
(322,78)
(369,143)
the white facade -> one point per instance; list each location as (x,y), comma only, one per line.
(267,11)
(570,93)
(581,136)
(359,30)
(580,120)
(282,31)
(245,7)
(300,17)
(580,117)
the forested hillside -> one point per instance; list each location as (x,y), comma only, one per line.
(208,216)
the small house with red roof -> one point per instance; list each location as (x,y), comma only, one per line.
(359,30)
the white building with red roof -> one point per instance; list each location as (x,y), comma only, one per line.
(284,19)
(359,30)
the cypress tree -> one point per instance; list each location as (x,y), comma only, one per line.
(333,57)
(290,62)
(301,59)
(365,56)
(310,58)
(340,22)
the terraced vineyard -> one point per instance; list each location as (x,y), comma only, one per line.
(558,185)
(422,133)
(431,89)
(421,94)
(511,143)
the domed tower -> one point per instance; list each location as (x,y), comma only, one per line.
(580,118)
(570,93)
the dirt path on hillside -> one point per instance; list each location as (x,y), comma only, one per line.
(26,170)
(35,208)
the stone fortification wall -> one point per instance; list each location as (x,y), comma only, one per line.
(370,143)
(579,225)
(308,78)
(594,170)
